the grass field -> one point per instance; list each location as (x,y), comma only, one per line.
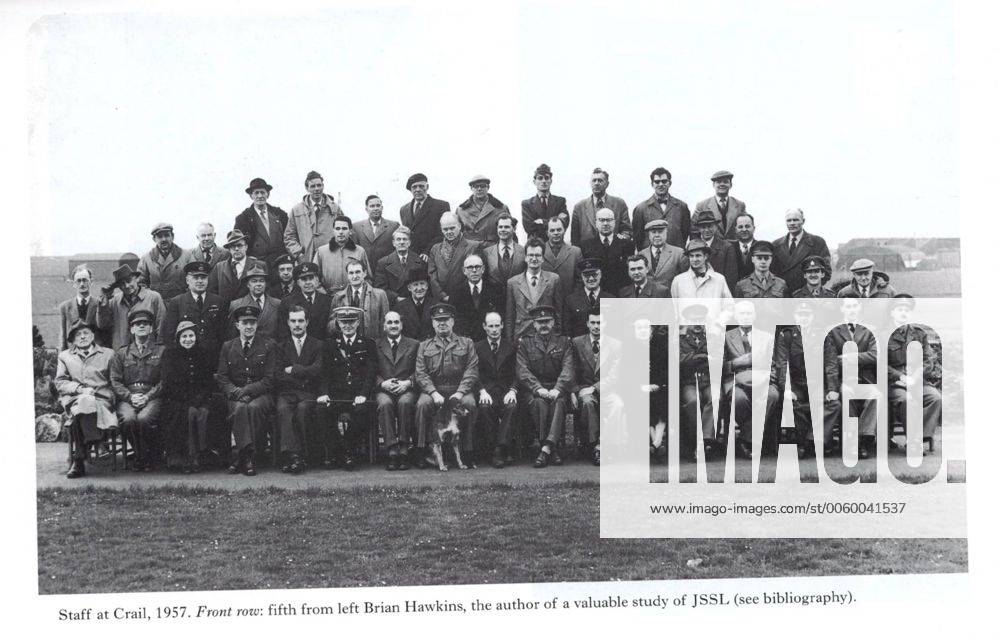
(171,539)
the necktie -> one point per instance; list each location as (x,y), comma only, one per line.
(142,349)
(81,308)
(395,345)
(238,268)
(638,290)
(851,327)
(724,205)
(600,203)
(416,208)
(263,221)
(309,299)
(505,265)
(246,348)
(201,302)
(208,255)
(656,258)
(288,289)
(494,346)
(298,346)
(747,346)
(864,293)
(475,295)
(534,281)
(260,302)
(545,206)
(607,242)
(596,346)
(357,299)
(791,245)
(593,300)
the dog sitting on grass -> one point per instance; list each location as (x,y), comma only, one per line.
(447,426)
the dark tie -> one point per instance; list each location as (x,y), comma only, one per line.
(747,348)
(201,302)
(309,299)
(600,203)
(288,289)
(357,299)
(416,208)
(791,245)
(851,327)
(656,258)
(81,309)
(246,348)
(494,346)
(505,262)
(545,207)
(260,302)
(638,290)
(593,300)
(395,345)
(596,346)
(534,281)
(475,295)
(607,242)
(724,205)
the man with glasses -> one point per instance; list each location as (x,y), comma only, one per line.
(532,288)
(612,251)
(82,306)
(473,299)
(662,206)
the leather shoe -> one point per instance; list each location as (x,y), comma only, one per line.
(497,458)
(392,465)
(249,470)
(348,463)
(542,460)
(76,470)
(234,468)
(401,463)
(555,459)
(296,466)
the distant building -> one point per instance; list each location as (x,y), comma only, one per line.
(901,254)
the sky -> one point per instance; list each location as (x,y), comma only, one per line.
(846,110)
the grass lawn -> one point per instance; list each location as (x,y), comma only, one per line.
(102,540)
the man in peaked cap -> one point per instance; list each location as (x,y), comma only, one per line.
(306,295)
(126,294)
(478,215)
(545,373)
(867,282)
(422,215)
(206,310)
(135,379)
(255,279)
(247,365)
(723,255)
(903,388)
(761,283)
(723,207)
(283,284)
(817,273)
(582,302)
(536,210)
(163,266)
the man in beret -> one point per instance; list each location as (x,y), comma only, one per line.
(700,280)
(447,368)
(374,234)
(642,285)
(316,304)
(247,365)
(333,258)
(497,389)
(267,322)
(817,272)
(478,215)
(474,298)
(163,266)
(296,387)
(422,215)
(745,230)
(536,210)
(444,265)
(392,270)
(127,293)
(664,261)
(396,390)
(724,208)
(206,310)
(373,302)
(135,379)
(903,388)
(662,206)
(545,374)
(226,278)
(284,285)
(583,224)
(722,256)
(310,222)
(262,224)
(791,250)
(866,282)
(82,306)
(505,259)
(610,250)
(761,283)
(562,258)
(594,362)
(585,301)
(206,250)
(532,288)
(415,303)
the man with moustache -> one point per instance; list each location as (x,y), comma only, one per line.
(263,225)
(163,267)
(396,392)
(538,209)
(662,206)
(612,251)
(422,215)
(583,224)
(478,215)
(374,235)
(817,272)
(207,250)
(310,223)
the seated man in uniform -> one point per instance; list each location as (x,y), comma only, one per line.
(903,388)
(296,385)
(135,377)
(396,399)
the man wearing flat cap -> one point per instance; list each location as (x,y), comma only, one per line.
(206,310)
(612,251)
(662,206)
(310,222)
(317,304)
(536,210)
(585,301)
(723,254)
(226,278)
(663,261)
(284,284)
(724,207)
(791,250)
(422,215)
(262,224)
(903,388)
(761,283)
(545,374)
(447,368)
(446,260)
(128,293)
(163,266)
(135,378)
(247,365)
(583,223)
(268,320)
(479,213)
(415,303)
(866,282)
(374,234)
(817,273)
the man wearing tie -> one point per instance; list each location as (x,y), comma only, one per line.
(262,224)
(864,284)
(722,255)
(532,288)
(310,225)
(761,283)
(415,304)
(375,235)
(307,296)
(207,250)
(791,250)
(592,365)
(284,286)
(665,260)
(226,278)
(267,321)
(536,210)
(817,272)
(296,385)
(82,306)
(745,229)
(662,206)
(562,258)
(584,222)
(392,270)
(741,371)
(497,389)
(422,215)
(867,357)
(206,310)
(396,397)
(612,251)
(583,302)
(724,207)
(473,299)
(505,259)
(642,286)
(361,295)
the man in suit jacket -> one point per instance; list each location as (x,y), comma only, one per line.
(664,260)
(532,288)
(396,397)
(612,251)
(745,229)
(792,249)
(722,255)
(497,388)
(207,250)
(851,330)
(226,278)
(593,363)
(296,386)
(642,285)
(478,215)
(245,374)
(562,258)
(374,235)
(444,265)
(268,320)
(358,293)
(473,299)
(505,259)
(583,225)
(262,224)
(580,304)
(415,304)
(307,296)
(662,206)
(114,307)
(746,364)
(536,210)
(206,310)
(724,208)
(284,284)
(422,215)
(163,267)
(82,306)
(310,222)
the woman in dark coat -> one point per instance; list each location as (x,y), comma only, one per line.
(187,383)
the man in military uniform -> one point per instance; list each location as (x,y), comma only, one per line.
(307,296)
(284,269)
(497,388)
(902,387)
(817,273)
(247,365)
(545,372)
(761,283)
(296,385)
(135,378)
(583,302)
(833,349)
(592,364)
(396,397)
(695,386)
(447,367)
(349,368)
(206,310)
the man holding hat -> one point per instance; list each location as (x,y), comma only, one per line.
(247,365)
(580,304)
(127,293)
(447,367)
(422,215)
(478,215)
(724,208)
(317,305)
(206,310)
(583,224)
(135,379)
(262,224)
(310,222)
(761,283)
(723,255)
(226,278)
(610,250)
(664,261)
(867,283)
(284,286)
(163,267)
(662,206)
(374,234)
(267,321)
(817,273)
(536,210)
(902,387)
(545,374)
(792,249)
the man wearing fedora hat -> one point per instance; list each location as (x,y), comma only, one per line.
(205,309)
(310,223)
(536,210)
(722,254)
(422,215)
(817,273)
(163,266)
(126,294)
(724,208)
(226,278)
(262,224)
(416,299)
(307,296)
(206,249)
(479,213)
(135,379)
(268,319)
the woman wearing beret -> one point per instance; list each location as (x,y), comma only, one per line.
(187,384)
